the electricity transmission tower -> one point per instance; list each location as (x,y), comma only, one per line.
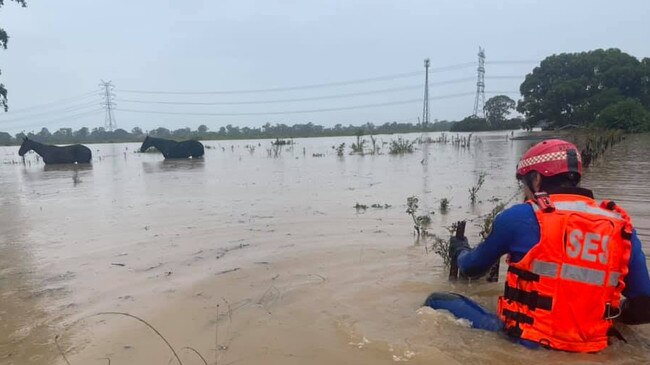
(425,110)
(479,102)
(109,120)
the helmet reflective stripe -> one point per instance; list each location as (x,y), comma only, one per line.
(553,156)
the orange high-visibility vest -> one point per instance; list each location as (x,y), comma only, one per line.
(565,292)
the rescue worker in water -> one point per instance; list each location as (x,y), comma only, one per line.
(570,259)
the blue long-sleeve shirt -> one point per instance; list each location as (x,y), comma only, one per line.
(516,231)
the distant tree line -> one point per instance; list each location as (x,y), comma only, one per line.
(496,110)
(101,135)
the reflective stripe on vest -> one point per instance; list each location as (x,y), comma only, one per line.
(543,268)
(575,273)
(582,207)
(583,275)
(613,278)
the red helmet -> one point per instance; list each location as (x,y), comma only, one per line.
(550,157)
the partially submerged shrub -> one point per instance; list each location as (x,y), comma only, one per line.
(358,206)
(474,189)
(421,222)
(440,247)
(358,147)
(400,146)
(444,205)
(340,150)
(488,221)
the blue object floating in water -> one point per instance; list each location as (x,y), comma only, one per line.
(465,308)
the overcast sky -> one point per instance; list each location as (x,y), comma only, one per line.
(59,51)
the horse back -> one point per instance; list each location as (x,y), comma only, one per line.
(187,149)
(82,153)
(196,148)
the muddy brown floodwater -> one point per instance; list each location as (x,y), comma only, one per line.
(250,259)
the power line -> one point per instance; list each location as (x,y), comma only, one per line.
(272,101)
(502,92)
(70,117)
(52,103)
(298,111)
(302,87)
(505,77)
(510,62)
(251,91)
(291,100)
(67,109)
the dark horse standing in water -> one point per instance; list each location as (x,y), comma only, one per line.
(55,154)
(173,149)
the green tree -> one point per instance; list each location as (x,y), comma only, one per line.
(629,115)
(121,135)
(497,109)
(202,129)
(470,124)
(4,39)
(160,132)
(645,82)
(137,131)
(182,133)
(5,138)
(572,88)
(82,133)
(44,134)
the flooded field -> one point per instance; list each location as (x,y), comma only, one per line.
(253,259)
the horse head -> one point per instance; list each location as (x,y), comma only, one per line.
(145,144)
(25,146)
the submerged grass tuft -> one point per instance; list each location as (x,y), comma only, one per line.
(400,146)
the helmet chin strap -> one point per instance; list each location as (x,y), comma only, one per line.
(528,181)
(541,198)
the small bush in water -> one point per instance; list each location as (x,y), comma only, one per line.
(444,205)
(421,222)
(340,150)
(400,146)
(474,189)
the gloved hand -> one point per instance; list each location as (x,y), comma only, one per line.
(456,246)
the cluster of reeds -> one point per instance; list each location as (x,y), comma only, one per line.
(375,146)
(275,150)
(400,146)
(358,147)
(443,138)
(462,142)
(597,143)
